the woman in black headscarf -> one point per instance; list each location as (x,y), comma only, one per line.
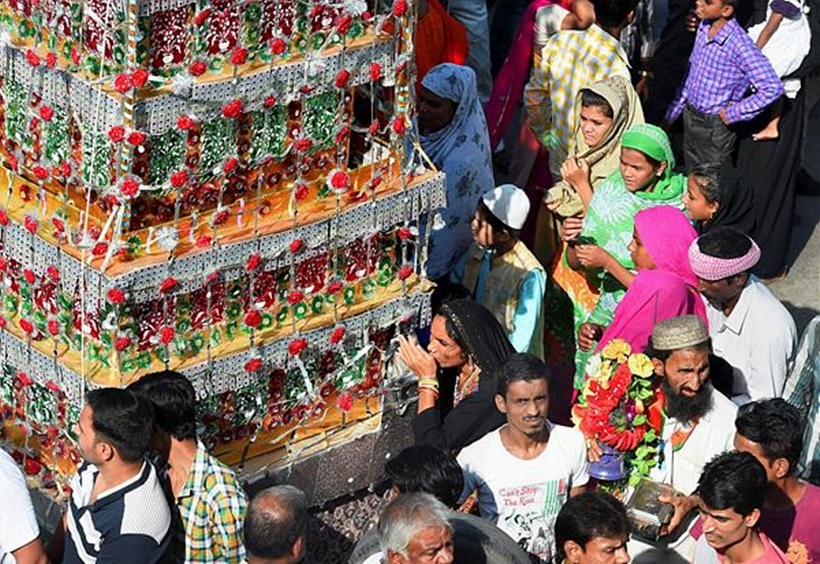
(717,195)
(458,375)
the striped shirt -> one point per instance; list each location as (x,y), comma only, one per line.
(721,70)
(127,524)
(212,507)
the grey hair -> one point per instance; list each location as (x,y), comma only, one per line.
(276,519)
(707,177)
(406,516)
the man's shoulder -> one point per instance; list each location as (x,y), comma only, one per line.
(765,305)
(221,482)
(476,452)
(723,411)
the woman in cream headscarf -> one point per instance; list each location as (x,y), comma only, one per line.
(605,111)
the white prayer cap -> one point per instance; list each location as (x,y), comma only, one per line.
(509,204)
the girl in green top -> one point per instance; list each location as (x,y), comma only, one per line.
(598,243)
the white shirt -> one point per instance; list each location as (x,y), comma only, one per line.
(18,524)
(523,497)
(758,339)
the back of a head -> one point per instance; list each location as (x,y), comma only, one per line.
(174,401)
(776,426)
(276,520)
(733,480)
(123,419)
(613,13)
(427,469)
(523,367)
(406,516)
(588,516)
(724,242)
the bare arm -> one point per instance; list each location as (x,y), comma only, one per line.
(32,553)
(769,29)
(581,16)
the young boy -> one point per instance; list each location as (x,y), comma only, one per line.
(501,273)
(731,489)
(724,64)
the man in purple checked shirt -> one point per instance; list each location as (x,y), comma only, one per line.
(723,66)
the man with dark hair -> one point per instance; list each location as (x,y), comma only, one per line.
(750,328)
(527,469)
(424,468)
(731,491)
(500,271)
(592,528)
(117,511)
(275,527)
(697,419)
(209,500)
(772,432)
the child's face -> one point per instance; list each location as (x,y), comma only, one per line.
(482,230)
(594,125)
(698,208)
(712,9)
(637,171)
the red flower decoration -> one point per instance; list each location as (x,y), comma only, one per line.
(4,217)
(295,297)
(40,172)
(28,274)
(278,46)
(345,402)
(24,378)
(221,216)
(337,335)
(203,241)
(116,296)
(303,145)
(32,58)
(399,8)
(405,272)
(269,102)
(138,78)
(53,272)
(375,71)
(253,262)
(166,335)
(296,246)
(100,249)
(399,126)
(179,179)
(202,17)
(51,60)
(75,55)
(253,318)
(232,109)
(168,284)
(46,113)
(230,165)
(185,123)
(342,78)
(122,343)
(301,192)
(130,187)
(197,68)
(53,326)
(334,287)
(339,180)
(122,83)
(4,264)
(404,233)
(30,224)
(344,24)
(137,138)
(26,326)
(375,127)
(65,168)
(297,346)
(253,365)
(116,133)
(239,56)
(343,134)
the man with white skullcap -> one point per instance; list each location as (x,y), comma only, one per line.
(501,272)
(750,328)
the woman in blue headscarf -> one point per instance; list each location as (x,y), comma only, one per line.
(453,133)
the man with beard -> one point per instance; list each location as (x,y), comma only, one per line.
(527,469)
(698,420)
(749,326)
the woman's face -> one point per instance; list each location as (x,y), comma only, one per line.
(639,253)
(442,346)
(698,208)
(435,112)
(639,172)
(594,125)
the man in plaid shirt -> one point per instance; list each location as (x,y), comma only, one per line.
(210,502)
(724,64)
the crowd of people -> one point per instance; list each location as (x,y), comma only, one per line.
(651,196)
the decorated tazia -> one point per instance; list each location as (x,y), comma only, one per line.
(619,409)
(229,189)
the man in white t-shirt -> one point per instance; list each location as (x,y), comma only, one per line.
(526,470)
(19,533)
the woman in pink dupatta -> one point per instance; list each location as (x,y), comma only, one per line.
(665,286)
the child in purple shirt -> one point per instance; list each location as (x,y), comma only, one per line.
(724,65)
